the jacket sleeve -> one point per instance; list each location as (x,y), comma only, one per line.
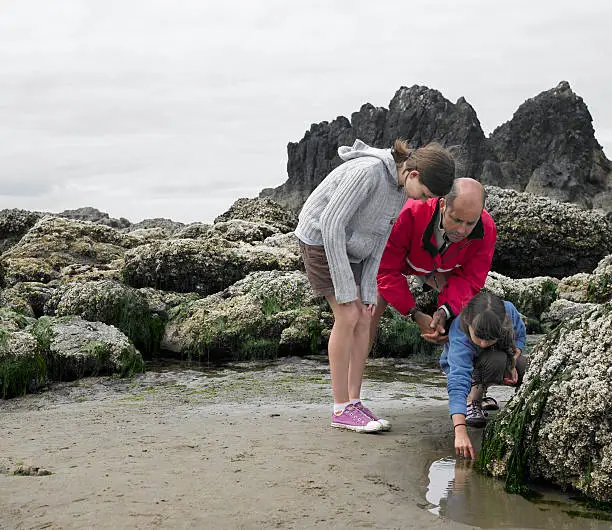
(520,333)
(392,284)
(461,353)
(466,281)
(353,190)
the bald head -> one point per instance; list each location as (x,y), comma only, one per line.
(467,191)
(461,208)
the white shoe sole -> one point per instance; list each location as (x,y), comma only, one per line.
(369,428)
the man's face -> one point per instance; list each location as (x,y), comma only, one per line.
(459,219)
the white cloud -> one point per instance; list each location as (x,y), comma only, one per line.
(151,108)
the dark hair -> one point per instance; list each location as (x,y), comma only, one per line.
(435,165)
(486,313)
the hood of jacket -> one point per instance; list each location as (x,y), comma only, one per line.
(360,149)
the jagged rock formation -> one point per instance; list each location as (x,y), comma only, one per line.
(547,148)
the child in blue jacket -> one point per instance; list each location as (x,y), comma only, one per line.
(484,348)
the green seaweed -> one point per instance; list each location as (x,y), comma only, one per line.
(17,375)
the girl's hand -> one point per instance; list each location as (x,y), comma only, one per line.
(370,308)
(463,444)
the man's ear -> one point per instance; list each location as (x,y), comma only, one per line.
(442,203)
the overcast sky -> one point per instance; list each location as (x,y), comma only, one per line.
(176,108)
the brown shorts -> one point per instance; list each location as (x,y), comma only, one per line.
(317,270)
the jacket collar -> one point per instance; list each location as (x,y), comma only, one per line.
(477,233)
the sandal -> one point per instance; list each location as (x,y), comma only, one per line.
(489,403)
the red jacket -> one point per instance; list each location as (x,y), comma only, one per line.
(412,250)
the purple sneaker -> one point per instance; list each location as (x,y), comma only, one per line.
(386,425)
(355,420)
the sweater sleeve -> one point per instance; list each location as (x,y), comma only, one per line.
(352,191)
(466,281)
(369,290)
(392,284)
(461,353)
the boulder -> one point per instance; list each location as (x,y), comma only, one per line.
(112,303)
(205,266)
(14,224)
(22,366)
(28,298)
(531,296)
(261,211)
(561,310)
(537,236)
(558,426)
(54,243)
(262,315)
(74,348)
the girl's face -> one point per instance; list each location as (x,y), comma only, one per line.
(480,342)
(414,187)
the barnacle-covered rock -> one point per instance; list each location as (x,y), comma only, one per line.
(205,266)
(537,236)
(115,304)
(262,314)
(75,348)
(558,427)
(54,243)
(261,211)
(531,296)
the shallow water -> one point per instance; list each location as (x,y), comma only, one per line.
(456,491)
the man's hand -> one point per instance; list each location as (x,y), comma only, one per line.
(438,321)
(427,332)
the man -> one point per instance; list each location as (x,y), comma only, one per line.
(449,243)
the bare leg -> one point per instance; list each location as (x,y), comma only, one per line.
(359,353)
(381,305)
(476,393)
(341,343)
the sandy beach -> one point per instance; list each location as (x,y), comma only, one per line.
(251,449)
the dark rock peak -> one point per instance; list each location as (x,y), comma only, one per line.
(548,147)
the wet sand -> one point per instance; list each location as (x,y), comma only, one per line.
(234,448)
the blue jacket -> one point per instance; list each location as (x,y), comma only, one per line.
(457,360)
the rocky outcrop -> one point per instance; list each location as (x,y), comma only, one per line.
(262,315)
(205,266)
(537,236)
(53,244)
(112,303)
(547,148)
(14,224)
(417,114)
(75,348)
(263,211)
(558,427)
(93,215)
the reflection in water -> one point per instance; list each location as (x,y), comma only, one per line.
(457,492)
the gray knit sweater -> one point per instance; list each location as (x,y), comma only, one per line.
(351,214)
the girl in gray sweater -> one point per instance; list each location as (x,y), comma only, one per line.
(343,228)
